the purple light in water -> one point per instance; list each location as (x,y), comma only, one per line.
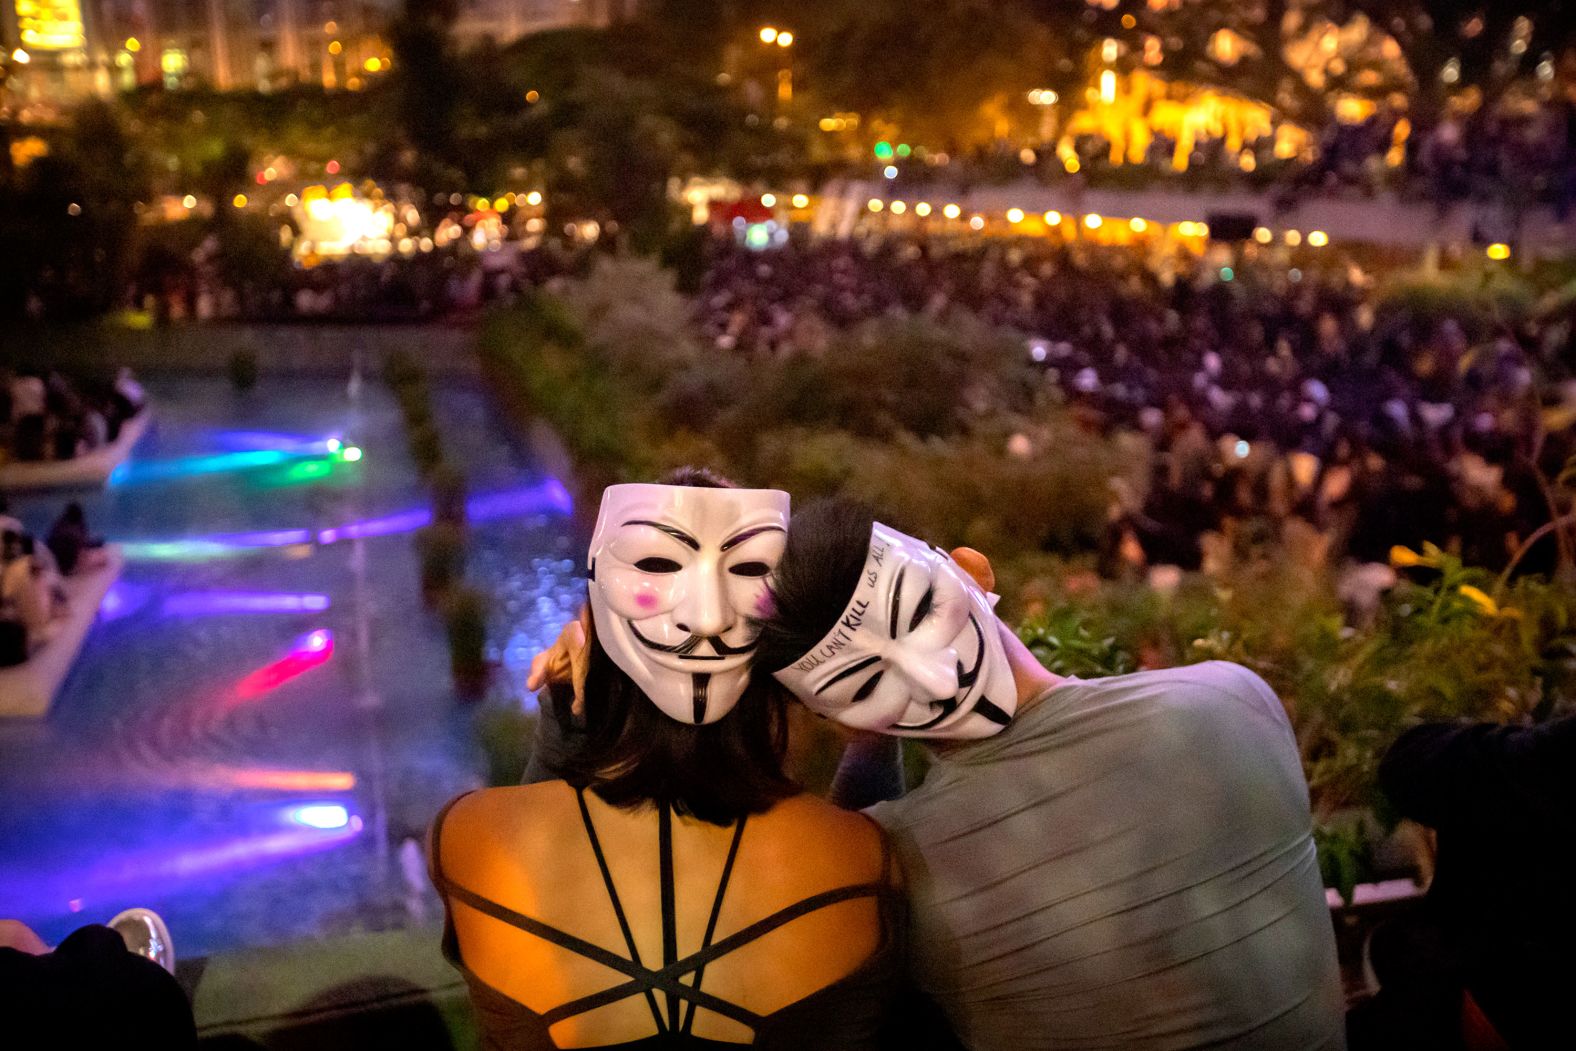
(121,600)
(154,869)
(538,499)
(254,440)
(264,538)
(548,497)
(213,603)
(401,522)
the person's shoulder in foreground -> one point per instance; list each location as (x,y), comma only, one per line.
(498,832)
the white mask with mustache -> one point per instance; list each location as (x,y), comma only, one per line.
(917,653)
(676,572)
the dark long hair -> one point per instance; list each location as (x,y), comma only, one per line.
(633,755)
(816,578)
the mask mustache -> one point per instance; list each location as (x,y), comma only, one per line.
(686,649)
(966,680)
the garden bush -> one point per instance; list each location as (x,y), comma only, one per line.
(243,368)
(440,551)
(465,614)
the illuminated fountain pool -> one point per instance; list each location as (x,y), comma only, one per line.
(261,720)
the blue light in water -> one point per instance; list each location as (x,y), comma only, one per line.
(191,466)
(1243,448)
(326,816)
(1227,274)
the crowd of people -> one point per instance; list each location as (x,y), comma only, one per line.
(45,415)
(1517,157)
(33,600)
(1266,391)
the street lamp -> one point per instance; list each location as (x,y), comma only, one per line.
(783,38)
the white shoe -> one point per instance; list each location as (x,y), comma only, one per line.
(145,934)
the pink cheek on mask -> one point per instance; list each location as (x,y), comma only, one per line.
(646,600)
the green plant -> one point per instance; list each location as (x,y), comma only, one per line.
(440,550)
(449,492)
(243,369)
(506,733)
(465,614)
(426,447)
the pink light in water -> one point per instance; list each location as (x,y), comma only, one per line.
(309,651)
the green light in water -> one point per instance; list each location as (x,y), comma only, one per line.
(352,454)
(884,150)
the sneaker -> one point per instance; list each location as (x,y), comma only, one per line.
(145,934)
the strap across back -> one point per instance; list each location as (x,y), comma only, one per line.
(641,979)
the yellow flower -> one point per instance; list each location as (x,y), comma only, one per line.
(1480,599)
(1486,604)
(1404,557)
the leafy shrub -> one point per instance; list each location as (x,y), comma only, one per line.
(505,733)
(449,492)
(243,369)
(426,447)
(440,551)
(465,615)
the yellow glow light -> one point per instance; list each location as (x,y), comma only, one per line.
(1072,165)
(372,65)
(977,222)
(1499,252)
(785,39)
(1294,237)
(291,200)
(133,44)
(801,200)
(21,57)
(335,47)
(875,204)
(1093,222)
(188,202)
(769,200)
(898,207)
(533,96)
(1108,86)
(239,200)
(533,198)
(1053,218)
(952,211)
(1318,239)
(270,173)
(1015,215)
(922,208)
(1138,225)
(768,35)
(1263,235)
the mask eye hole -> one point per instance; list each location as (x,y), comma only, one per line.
(868,688)
(658,565)
(750,569)
(922,610)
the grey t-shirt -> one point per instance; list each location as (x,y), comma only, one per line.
(1129,865)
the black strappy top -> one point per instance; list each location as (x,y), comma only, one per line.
(845,1016)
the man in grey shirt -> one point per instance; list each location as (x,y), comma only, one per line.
(1121,863)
